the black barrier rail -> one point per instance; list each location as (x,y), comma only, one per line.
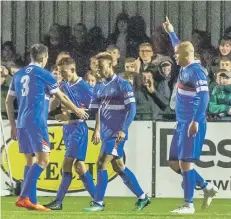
(149,117)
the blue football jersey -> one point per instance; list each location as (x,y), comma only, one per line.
(80,93)
(191,81)
(33,85)
(111,97)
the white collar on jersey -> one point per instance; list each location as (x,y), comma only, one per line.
(79,79)
(113,78)
(35,63)
(193,62)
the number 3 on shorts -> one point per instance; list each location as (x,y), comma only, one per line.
(25,80)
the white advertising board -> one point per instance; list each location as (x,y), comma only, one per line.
(214,164)
(138,155)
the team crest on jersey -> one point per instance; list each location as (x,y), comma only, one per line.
(185,77)
(28,70)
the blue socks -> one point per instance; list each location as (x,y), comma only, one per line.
(189,185)
(102,181)
(66,181)
(88,183)
(30,182)
(33,195)
(131,182)
(26,169)
(199,180)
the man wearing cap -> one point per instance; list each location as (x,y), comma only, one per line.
(220,101)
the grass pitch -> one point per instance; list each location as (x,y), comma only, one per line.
(116,208)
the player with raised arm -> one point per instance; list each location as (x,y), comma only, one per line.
(114,104)
(75,132)
(32,86)
(191,103)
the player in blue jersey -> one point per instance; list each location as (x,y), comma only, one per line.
(75,132)
(191,103)
(32,86)
(114,105)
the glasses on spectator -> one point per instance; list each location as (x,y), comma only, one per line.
(143,51)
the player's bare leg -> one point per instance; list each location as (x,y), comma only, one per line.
(85,176)
(30,159)
(65,183)
(42,160)
(102,180)
(174,165)
(131,182)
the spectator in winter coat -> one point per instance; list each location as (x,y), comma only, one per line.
(220,101)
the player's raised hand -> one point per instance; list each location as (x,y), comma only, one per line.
(13,133)
(82,113)
(192,129)
(120,136)
(168,26)
(95,137)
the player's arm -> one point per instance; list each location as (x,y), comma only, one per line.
(130,111)
(53,88)
(170,30)
(95,110)
(54,103)
(10,109)
(80,113)
(203,93)
(96,135)
(202,90)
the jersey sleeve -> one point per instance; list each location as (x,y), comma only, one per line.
(128,93)
(11,90)
(201,82)
(88,94)
(50,83)
(95,101)
(201,85)
(174,39)
(130,106)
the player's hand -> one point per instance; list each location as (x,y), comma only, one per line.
(120,136)
(168,26)
(81,113)
(95,137)
(192,129)
(13,133)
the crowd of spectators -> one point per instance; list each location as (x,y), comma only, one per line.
(147,63)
